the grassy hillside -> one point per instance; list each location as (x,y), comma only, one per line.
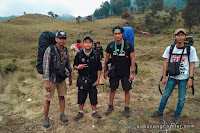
(18,45)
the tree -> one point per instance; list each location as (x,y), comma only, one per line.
(117,6)
(173,13)
(156,5)
(140,3)
(191,14)
(56,15)
(131,9)
(103,11)
(125,15)
(50,13)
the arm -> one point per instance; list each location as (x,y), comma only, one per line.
(191,71)
(68,66)
(98,78)
(132,57)
(165,67)
(105,67)
(46,63)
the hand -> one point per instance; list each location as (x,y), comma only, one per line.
(97,83)
(131,77)
(70,81)
(189,83)
(105,75)
(164,81)
(81,66)
(48,86)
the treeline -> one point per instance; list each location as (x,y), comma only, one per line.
(117,7)
(153,21)
(8,17)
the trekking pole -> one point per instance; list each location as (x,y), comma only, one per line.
(159,85)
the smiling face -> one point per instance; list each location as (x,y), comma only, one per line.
(88,44)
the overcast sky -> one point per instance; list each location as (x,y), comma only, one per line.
(60,7)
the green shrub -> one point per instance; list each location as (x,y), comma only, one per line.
(10,68)
(14,60)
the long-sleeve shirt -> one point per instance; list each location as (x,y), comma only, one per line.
(62,58)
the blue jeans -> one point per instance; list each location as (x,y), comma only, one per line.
(171,83)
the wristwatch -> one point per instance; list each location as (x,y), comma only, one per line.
(133,72)
(191,77)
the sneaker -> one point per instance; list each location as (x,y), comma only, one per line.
(63,118)
(126,112)
(46,122)
(110,109)
(176,120)
(96,115)
(156,114)
(78,116)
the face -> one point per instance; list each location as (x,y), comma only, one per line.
(61,41)
(88,44)
(118,36)
(98,44)
(180,37)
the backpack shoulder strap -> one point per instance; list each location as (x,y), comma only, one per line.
(188,52)
(52,53)
(171,50)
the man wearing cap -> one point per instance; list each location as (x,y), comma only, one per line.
(89,67)
(122,53)
(56,78)
(183,78)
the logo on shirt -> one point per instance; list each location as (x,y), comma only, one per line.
(83,60)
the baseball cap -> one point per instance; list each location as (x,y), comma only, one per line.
(61,34)
(180,30)
(88,36)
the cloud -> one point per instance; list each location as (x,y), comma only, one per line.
(74,7)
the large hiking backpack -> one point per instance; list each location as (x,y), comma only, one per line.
(46,39)
(129,35)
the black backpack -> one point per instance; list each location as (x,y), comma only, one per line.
(46,39)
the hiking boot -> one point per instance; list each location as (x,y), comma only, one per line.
(46,122)
(96,115)
(110,109)
(176,120)
(78,116)
(126,112)
(156,114)
(63,118)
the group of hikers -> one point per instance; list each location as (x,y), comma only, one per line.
(178,66)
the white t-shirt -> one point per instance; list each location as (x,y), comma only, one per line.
(184,65)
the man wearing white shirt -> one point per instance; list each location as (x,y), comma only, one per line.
(183,78)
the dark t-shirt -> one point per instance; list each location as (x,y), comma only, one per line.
(122,59)
(93,63)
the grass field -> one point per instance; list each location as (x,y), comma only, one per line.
(18,45)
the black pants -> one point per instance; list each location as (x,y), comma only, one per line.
(82,95)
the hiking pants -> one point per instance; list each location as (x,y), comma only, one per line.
(171,83)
